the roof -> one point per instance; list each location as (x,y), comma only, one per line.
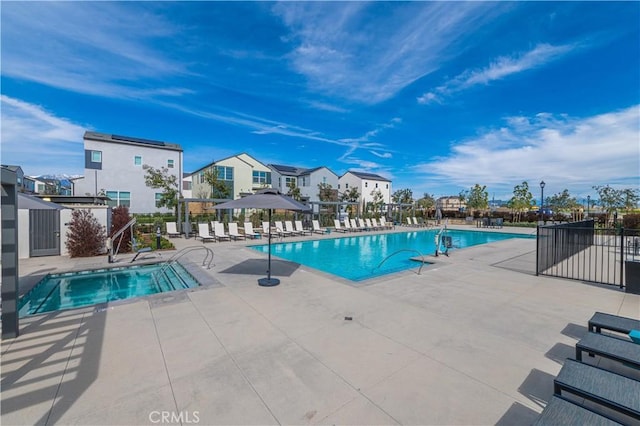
(29,202)
(12,167)
(368,176)
(129,140)
(295,171)
(217,163)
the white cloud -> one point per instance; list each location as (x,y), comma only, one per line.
(565,152)
(353,51)
(499,68)
(38,141)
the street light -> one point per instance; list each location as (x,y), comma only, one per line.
(588,203)
(542,184)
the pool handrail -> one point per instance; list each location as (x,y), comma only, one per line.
(186,250)
(400,251)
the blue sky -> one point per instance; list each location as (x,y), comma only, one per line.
(436,96)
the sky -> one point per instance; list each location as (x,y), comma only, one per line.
(435,96)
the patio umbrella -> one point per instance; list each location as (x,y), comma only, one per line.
(269,199)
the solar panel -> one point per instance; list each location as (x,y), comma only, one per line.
(137,140)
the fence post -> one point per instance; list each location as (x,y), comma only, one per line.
(621,257)
(537,248)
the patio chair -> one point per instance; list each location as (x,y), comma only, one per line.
(219,234)
(280,229)
(288,227)
(337,227)
(384,223)
(409,223)
(301,229)
(600,321)
(375,224)
(613,348)
(560,411)
(347,226)
(172,230)
(317,229)
(233,232)
(203,233)
(135,246)
(368,224)
(354,225)
(603,387)
(265,228)
(249,232)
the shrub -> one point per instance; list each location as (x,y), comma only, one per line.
(631,221)
(120,217)
(86,236)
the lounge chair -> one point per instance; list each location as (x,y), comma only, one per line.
(139,250)
(337,227)
(600,321)
(409,223)
(375,224)
(233,232)
(384,223)
(288,227)
(354,225)
(301,229)
(347,226)
(219,234)
(265,228)
(368,224)
(560,411)
(416,223)
(317,229)
(203,233)
(280,229)
(172,230)
(613,348)
(249,232)
(603,387)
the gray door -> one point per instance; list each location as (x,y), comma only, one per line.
(44,233)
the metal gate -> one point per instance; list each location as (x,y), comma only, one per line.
(44,233)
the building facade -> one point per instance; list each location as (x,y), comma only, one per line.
(307,180)
(451,203)
(367,184)
(114,167)
(242,174)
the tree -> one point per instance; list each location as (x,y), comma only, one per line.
(326,192)
(86,236)
(427,202)
(162,179)
(294,191)
(378,200)
(613,199)
(351,195)
(563,202)
(119,218)
(402,196)
(521,201)
(477,198)
(219,188)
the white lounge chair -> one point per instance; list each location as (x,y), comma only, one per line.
(233,232)
(288,227)
(375,223)
(317,229)
(280,229)
(416,223)
(218,232)
(347,226)
(369,224)
(337,227)
(384,223)
(409,223)
(265,228)
(249,232)
(203,233)
(354,225)
(172,230)
(300,228)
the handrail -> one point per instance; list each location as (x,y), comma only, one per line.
(400,251)
(119,233)
(186,250)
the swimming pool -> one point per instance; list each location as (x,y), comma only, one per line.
(357,258)
(77,289)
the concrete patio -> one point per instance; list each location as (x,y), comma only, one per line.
(477,338)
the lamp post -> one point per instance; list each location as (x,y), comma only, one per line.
(588,203)
(542,184)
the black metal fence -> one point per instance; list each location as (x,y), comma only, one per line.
(583,252)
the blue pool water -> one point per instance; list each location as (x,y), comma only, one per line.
(358,257)
(76,289)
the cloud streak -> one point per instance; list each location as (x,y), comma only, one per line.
(500,68)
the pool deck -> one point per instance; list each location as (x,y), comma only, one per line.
(476,338)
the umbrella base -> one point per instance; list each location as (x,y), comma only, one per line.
(268,282)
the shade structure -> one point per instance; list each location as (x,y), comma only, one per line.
(269,199)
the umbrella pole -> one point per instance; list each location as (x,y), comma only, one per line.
(269,282)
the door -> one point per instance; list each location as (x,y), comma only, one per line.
(44,233)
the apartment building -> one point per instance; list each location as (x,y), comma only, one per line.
(367,184)
(305,179)
(114,167)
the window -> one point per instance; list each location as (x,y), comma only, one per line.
(186,186)
(201,177)
(96,156)
(170,164)
(262,177)
(288,180)
(119,198)
(158,199)
(387,186)
(224,173)
(137,160)
(324,179)
(346,186)
(376,184)
(92,159)
(366,184)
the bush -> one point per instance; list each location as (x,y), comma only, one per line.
(631,221)
(119,218)
(86,236)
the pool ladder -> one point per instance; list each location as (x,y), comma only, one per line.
(400,251)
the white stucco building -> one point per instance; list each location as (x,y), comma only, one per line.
(114,165)
(367,184)
(305,179)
